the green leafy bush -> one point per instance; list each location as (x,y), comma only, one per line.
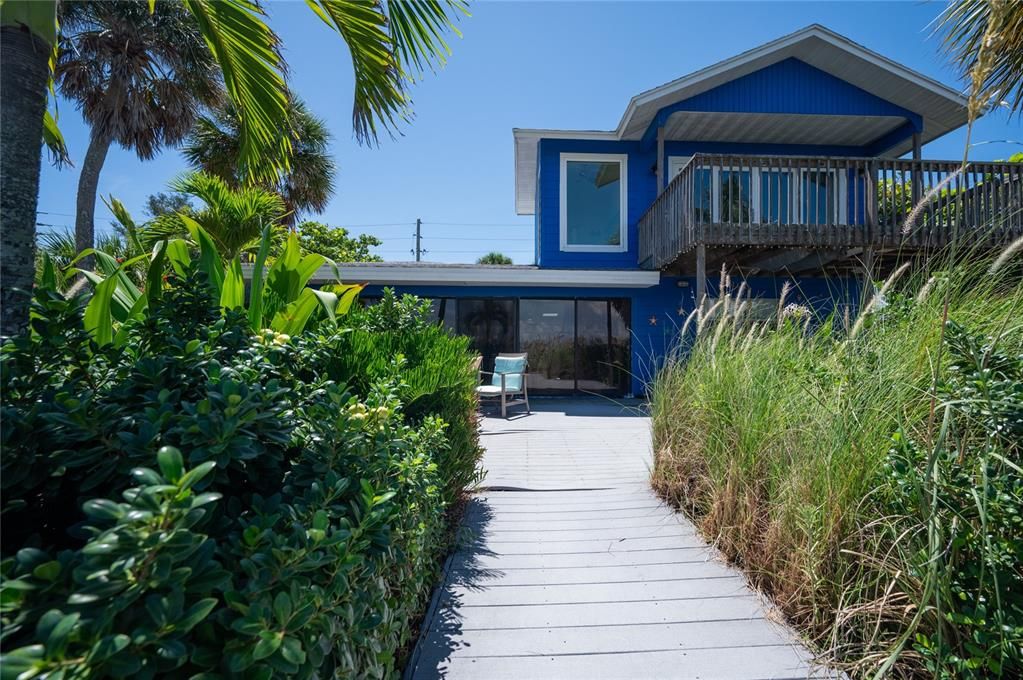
(303,539)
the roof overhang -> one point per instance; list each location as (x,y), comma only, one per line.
(940,107)
(413,274)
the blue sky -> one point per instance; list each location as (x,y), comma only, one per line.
(518,64)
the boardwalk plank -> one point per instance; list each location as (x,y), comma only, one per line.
(569,567)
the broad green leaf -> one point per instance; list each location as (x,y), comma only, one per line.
(291,650)
(171,464)
(267,645)
(99,320)
(232,295)
(258,277)
(190,478)
(328,302)
(209,257)
(196,613)
(180,258)
(54,141)
(48,277)
(121,336)
(349,294)
(293,318)
(126,292)
(154,275)
(282,608)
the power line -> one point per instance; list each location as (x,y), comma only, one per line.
(480,224)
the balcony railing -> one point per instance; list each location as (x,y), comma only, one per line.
(786,201)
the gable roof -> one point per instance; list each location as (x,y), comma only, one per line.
(941,108)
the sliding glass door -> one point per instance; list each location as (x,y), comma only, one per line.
(547,332)
(576,345)
(490,325)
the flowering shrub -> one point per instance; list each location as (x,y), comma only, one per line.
(294,526)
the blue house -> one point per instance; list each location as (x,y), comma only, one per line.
(782,164)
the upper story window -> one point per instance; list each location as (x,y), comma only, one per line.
(593,202)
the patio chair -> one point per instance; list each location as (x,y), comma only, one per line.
(508,380)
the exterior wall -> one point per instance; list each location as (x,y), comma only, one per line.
(790,86)
(658,313)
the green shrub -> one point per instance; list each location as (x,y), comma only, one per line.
(436,376)
(304,539)
(868,480)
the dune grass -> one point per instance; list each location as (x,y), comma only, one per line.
(865,472)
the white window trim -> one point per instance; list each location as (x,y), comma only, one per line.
(623,206)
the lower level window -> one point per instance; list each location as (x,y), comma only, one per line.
(593,203)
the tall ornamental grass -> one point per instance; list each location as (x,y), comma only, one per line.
(865,472)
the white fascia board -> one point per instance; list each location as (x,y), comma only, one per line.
(488,276)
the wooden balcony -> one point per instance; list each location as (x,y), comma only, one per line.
(773,213)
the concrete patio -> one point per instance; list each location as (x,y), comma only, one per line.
(569,567)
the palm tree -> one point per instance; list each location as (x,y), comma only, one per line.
(139,79)
(28,32)
(392,43)
(234,217)
(214,146)
(494,257)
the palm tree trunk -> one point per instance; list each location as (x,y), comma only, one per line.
(88,185)
(25,59)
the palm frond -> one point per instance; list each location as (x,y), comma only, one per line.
(245,47)
(380,97)
(983,39)
(417,31)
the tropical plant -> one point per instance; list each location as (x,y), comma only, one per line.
(277,297)
(139,77)
(234,217)
(333,243)
(307,183)
(209,500)
(494,258)
(391,43)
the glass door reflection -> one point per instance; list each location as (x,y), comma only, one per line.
(547,333)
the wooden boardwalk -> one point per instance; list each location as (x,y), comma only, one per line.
(569,567)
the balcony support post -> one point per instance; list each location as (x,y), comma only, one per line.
(660,160)
(701,275)
(917,178)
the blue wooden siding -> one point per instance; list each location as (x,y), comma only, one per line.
(790,86)
(641,192)
(657,313)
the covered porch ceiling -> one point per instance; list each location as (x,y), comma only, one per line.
(779,128)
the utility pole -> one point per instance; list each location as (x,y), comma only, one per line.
(419,238)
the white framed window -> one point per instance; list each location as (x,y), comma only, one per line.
(594,206)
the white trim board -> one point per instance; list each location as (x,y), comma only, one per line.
(460,275)
(623,202)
